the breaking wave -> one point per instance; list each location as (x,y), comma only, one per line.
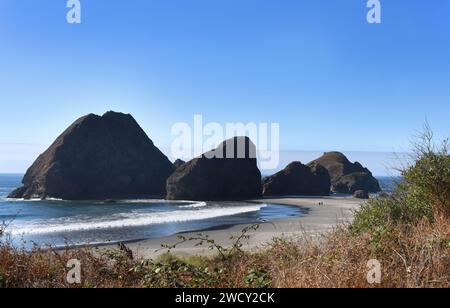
(133,219)
(193,206)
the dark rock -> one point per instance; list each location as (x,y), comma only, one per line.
(347,177)
(298,179)
(356,181)
(361,194)
(98,158)
(217,176)
(320,181)
(178,163)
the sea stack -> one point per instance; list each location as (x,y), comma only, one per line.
(347,177)
(298,180)
(98,158)
(229,172)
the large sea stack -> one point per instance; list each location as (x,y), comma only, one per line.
(298,180)
(221,174)
(98,158)
(347,177)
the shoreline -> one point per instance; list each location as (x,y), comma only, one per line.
(320,219)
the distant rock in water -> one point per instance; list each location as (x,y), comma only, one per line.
(361,194)
(178,163)
(298,180)
(98,158)
(347,177)
(218,176)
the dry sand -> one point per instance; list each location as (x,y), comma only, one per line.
(324,214)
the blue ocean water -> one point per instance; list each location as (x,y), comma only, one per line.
(59,223)
(389,183)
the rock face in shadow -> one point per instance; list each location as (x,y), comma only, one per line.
(218,176)
(347,177)
(178,163)
(298,180)
(353,182)
(98,158)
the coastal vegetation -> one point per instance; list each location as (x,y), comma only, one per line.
(407,232)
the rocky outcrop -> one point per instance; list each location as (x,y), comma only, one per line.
(178,163)
(98,158)
(347,177)
(361,194)
(218,176)
(357,181)
(298,180)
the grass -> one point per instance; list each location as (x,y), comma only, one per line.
(408,232)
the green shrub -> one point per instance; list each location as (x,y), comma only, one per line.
(423,193)
(403,206)
(429,181)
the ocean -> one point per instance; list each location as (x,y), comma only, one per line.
(59,223)
(389,183)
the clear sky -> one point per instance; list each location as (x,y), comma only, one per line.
(332,81)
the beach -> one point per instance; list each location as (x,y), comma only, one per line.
(324,213)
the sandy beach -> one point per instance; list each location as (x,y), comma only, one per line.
(324,213)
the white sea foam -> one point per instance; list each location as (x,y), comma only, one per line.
(34,200)
(144,201)
(82,223)
(194,205)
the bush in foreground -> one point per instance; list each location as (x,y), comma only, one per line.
(424,192)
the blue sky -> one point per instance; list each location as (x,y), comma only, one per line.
(332,81)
